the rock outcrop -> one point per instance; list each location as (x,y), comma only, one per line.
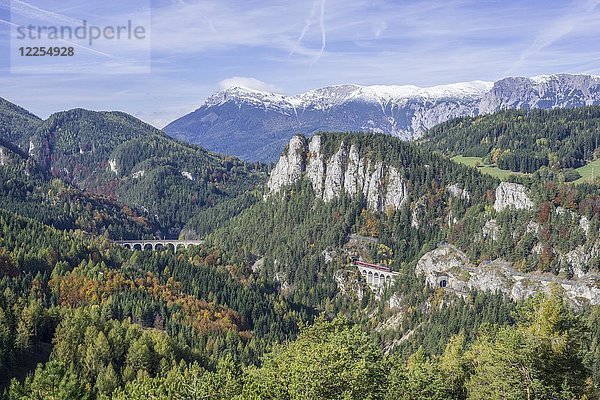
(577,259)
(31,150)
(490,229)
(112,165)
(349,284)
(346,171)
(456,191)
(512,195)
(290,166)
(449,268)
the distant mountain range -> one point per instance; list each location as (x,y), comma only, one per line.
(256,125)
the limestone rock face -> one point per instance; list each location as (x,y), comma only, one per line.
(334,178)
(417,214)
(374,188)
(345,172)
(396,189)
(351,183)
(532,227)
(112,164)
(490,229)
(443,262)
(31,150)
(512,195)
(584,224)
(577,260)
(258,265)
(450,268)
(395,301)
(315,169)
(456,191)
(290,166)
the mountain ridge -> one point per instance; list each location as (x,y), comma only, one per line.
(16,122)
(256,125)
(116,155)
(376,92)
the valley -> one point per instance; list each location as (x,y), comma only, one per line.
(309,200)
(144,264)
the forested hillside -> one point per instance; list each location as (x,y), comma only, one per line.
(137,314)
(270,306)
(304,243)
(121,158)
(540,357)
(103,315)
(34,194)
(131,325)
(117,155)
(16,123)
(292,233)
(523,140)
(128,325)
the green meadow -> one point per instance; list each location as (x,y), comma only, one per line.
(586,172)
(486,169)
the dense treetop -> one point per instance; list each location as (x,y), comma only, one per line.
(16,123)
(270,307)
(523,140)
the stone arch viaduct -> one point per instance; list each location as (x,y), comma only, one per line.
(375,275)
(158,244)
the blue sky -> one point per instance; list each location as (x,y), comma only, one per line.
(199,47)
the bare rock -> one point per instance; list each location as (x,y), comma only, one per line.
(512,195)
(290,166)
(449,268)
(490,229)
(344,172)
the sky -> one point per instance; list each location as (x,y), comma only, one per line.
(194,48)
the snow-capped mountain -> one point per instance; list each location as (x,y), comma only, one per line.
(256,125)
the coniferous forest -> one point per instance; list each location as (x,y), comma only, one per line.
(523,140)
(270,306)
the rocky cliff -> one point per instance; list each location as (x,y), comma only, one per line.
(544,91)
(346,171)
(448,267)
(512,195)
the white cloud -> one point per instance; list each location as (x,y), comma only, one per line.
(249,83)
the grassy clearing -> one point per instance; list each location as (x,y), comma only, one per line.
(587,170)
(486,169)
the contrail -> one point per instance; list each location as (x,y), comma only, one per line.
(310,21)
(26,9)
(323,32)
(307,24)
